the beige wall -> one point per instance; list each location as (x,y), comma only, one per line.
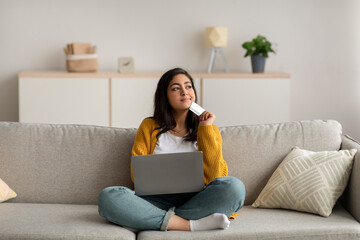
(317,41)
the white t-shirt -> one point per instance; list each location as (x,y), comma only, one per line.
(168,143)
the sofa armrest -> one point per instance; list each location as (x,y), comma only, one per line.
(351,197)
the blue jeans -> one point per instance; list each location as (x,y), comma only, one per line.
(121,206)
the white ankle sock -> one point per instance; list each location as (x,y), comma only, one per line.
(214,221)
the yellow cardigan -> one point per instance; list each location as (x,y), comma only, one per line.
(209,141)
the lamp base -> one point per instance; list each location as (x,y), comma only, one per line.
(214,51)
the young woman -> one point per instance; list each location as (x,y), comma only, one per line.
(174,128)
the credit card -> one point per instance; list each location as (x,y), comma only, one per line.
(195,108)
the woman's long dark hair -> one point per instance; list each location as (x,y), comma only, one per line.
(163,111)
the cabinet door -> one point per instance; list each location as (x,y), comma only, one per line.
(64,100)
(132,100)
(247,101)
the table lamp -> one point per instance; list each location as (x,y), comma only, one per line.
(216,38)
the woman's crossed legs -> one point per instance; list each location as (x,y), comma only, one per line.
(205,210)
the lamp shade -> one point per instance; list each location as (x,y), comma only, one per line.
(216,36)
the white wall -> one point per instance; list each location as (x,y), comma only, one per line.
(317,42)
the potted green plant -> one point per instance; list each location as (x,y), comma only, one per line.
(258,49)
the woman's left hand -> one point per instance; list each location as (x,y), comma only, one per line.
(207,118)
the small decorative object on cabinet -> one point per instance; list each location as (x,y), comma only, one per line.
(216,38)
(81,57)
(258,49)
(126,65)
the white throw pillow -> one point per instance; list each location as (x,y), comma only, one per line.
(6,192)
(308,181)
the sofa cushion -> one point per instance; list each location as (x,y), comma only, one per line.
(57,163)
(255,223)
(6,192)
(254,152)
(308,181)
(57,221)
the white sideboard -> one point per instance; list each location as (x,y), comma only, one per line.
(124,100)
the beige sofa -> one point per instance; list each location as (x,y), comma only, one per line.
(59,170)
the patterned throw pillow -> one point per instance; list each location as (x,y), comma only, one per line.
(5,192)
(308,181)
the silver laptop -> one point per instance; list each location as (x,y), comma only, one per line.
(168,173)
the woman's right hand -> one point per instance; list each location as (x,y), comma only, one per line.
(207,118)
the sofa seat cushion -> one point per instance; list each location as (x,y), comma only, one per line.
(57,221)
(255,223)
